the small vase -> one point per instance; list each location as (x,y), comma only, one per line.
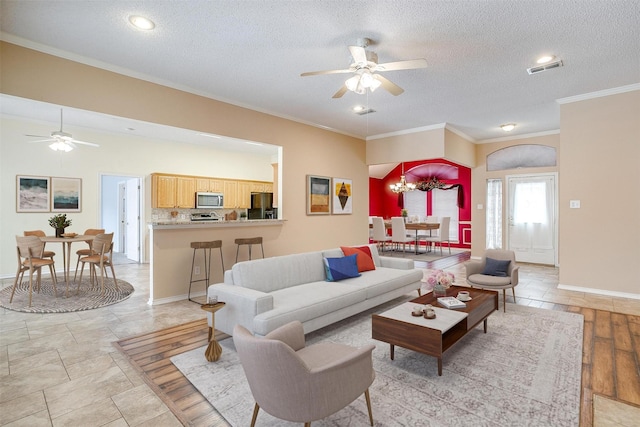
(59,232)
(439,290)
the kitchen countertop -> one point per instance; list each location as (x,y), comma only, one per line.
(168,225)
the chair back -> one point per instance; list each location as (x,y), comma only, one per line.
(37,233)
(93,231)
(278,378)
(398,229)
(29,246)
(102,242)
(444,228)
(379,231)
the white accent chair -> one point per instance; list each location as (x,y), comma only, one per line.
(380,236)
(399,233)
(476,278)
(302,384)
(443,234)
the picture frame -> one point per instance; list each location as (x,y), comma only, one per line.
(33,193)
(318,195)
(66,194)
(342,195)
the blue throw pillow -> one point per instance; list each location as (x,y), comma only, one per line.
(341,268)
(496,267)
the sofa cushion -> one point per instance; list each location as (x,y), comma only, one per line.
(341,268)
(306,302)
(363,256)
(496,267)
(382,280)
(271,274)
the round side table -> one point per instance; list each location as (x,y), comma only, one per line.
(214,350)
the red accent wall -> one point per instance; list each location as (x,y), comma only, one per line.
(383,202)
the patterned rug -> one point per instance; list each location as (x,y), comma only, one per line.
(45,302)
(525,371)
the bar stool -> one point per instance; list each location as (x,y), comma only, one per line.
(249,241)
(205,246)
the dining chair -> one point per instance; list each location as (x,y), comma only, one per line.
(40,233)
(380,236)
(88,251)
(30,251)
(399,233)
(443,235)
(422,235)
(102,256)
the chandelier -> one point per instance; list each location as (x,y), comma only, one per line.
(403,186)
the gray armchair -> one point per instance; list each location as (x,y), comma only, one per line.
(476,278)
(302,384)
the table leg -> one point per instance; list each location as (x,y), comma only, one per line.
(392,350)
(214,350)
(485,325)
(65,265)
(439,366)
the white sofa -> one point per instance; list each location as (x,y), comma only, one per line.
(264,294)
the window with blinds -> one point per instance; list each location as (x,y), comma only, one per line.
(445,203)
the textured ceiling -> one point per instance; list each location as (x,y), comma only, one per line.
(251,53)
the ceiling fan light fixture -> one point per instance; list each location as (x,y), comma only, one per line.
(352,83)
(508,127)
(61,146)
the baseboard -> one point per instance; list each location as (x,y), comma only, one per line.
(175,298)
(599,291)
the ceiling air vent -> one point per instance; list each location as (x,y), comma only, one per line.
(545,67)
(363,112)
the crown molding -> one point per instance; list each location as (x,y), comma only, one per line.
(408,131)
(523,136)
(599,94)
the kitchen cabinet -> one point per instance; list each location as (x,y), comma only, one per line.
(261,187)
(231,194)
(210,185)
(244,194)
(171,191)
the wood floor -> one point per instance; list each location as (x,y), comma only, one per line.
(610,364)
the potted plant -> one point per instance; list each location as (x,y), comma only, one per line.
(404,214)
(59,222)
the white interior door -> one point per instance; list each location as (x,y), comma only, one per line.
(132,220)
(532,230)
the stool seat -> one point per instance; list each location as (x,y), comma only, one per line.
(249,241)
(206,253)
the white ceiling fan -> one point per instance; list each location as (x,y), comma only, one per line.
(60,140)
(365,65)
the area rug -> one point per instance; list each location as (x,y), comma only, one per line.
(524,372)
(45,302)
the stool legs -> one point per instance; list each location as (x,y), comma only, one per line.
(206,269)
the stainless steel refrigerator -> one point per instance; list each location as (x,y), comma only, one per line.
(261,205)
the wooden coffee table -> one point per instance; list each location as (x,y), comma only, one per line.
(433,336)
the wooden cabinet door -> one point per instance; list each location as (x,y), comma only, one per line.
(244,195)
(185,192)
(268,188)
(216,185)
(202,184)
(163,191)
(231,194)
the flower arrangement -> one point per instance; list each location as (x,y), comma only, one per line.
(59,221)
(404,213)
(438,279)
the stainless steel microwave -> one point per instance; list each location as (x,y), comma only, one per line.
(209,200)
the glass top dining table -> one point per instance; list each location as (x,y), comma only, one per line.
(66,251)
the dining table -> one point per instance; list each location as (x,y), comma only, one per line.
(416,226)
(66,251)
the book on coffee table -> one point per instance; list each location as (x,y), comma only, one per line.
(451,302)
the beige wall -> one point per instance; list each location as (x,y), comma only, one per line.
(428,144)
(600,157)
(306,149)
(480,175)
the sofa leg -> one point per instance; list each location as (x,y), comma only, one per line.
(504,299)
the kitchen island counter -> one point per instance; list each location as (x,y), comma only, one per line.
(170,252)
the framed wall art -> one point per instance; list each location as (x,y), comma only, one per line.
(318,195)
(66,194)
(32,193)
(342,195)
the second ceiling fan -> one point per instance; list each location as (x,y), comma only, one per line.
(365,66)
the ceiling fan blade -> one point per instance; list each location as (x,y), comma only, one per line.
(91,144)
(38,136)
(340,92)
(359,54)
(402,65)
(388,85)
(41,140)
(317,73)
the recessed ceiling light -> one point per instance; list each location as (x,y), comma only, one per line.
(508,127)
(141,22)
(545,59)
(358,108)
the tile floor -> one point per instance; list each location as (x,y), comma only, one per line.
(61,369)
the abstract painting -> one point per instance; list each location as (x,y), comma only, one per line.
(32,193)
(342,196)
(318,197)
(66,194)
